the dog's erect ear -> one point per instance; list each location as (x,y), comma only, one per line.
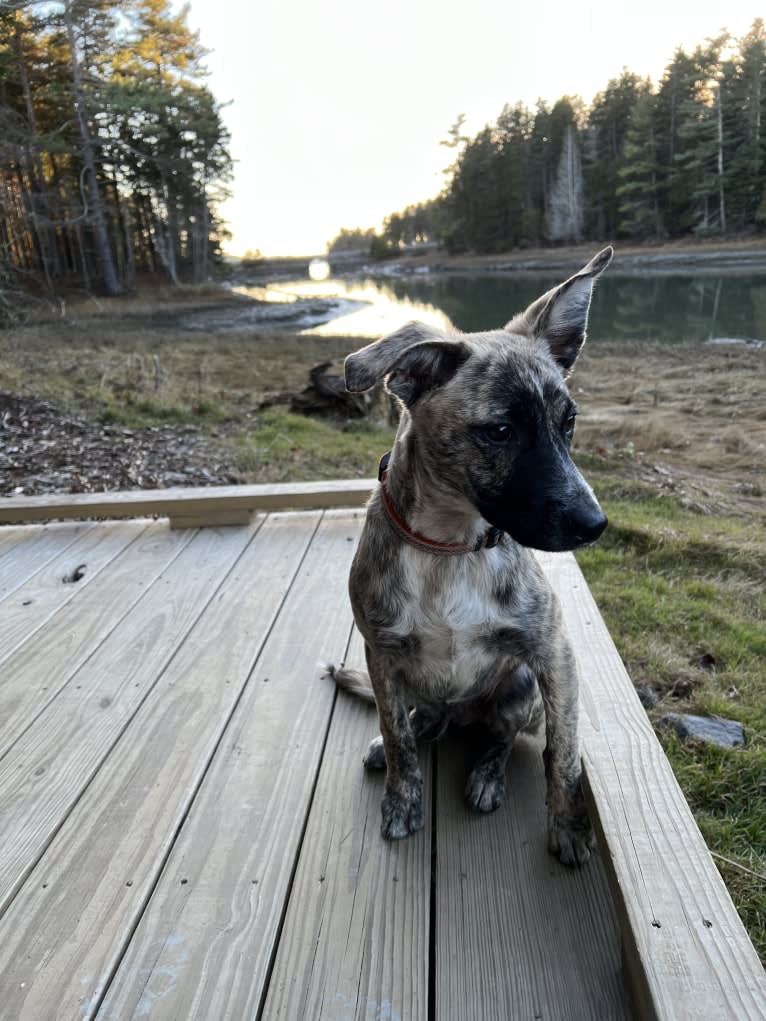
(367,367)
(560,317)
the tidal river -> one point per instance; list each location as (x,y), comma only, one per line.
(670,307)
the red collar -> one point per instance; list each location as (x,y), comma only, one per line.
(486,540)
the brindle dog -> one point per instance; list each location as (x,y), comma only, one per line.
(457,616)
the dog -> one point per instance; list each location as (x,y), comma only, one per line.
(459,623)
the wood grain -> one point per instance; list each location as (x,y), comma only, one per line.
(62,938)
(34,551)
(79,626)
(205,942)
(37,600)
(48,768)
(689,954)
(11,536)
(517,934)
(187,504)
(356,936)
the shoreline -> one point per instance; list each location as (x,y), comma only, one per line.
(670,257)
(629,257)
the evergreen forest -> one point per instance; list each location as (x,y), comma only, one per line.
(686,157)
(113,152)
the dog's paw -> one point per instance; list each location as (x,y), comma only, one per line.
(376,756)
(485,788)
(402,812)
(570,838)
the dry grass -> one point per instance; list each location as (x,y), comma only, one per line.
(688,420)
(127,369)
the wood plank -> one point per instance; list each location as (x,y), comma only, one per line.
(79,627)
(193,503)
(37,548)
(12,535)
(690,955)
(517,934)
(64,934)
(51,588)
(204,945)
(48,768)
(211,519)
(356,935)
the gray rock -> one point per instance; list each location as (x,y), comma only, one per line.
(713,729)
(647,695)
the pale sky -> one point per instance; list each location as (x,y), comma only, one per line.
(337,108)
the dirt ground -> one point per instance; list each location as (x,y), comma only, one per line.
(690,421)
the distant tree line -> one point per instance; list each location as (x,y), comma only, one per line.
(685,157)
(352,240)
(113,152)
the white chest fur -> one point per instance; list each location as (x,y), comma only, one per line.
(450,605)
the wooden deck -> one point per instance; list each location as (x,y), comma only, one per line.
(187,830)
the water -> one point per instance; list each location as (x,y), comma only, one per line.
(649,306)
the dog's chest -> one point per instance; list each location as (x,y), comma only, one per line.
(452,612)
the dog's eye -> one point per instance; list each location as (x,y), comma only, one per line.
(496,433)
(568,427)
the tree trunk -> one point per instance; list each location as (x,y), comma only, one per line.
(106,261)
(721,199)
(44,223)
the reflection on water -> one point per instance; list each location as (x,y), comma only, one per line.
(638,306)
(383,310)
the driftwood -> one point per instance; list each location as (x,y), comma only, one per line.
(326,394)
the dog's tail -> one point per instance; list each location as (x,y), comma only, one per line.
(355,682)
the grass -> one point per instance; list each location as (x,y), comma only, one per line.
(285,447)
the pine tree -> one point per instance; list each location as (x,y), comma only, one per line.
(746,79)
(700,157)
(638,189)
(606,136)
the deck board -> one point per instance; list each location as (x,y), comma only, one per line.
(538,940)
(204,946)
(64,935)
(78,626)
(33,549)
(50,765)
(13,535)
(355,942)
(37,600)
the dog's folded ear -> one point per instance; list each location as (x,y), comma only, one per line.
(416,358)
(367,367)
(424,367)
(560,316)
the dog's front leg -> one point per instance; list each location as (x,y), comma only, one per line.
(402,806)
(570,836)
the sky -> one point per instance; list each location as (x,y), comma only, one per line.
(337,108)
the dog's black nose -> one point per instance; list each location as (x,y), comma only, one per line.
(590,525)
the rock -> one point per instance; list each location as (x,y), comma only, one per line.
(647,695)
(712,729)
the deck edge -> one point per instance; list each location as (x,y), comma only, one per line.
(192,507)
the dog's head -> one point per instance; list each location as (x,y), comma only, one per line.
(491,415)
